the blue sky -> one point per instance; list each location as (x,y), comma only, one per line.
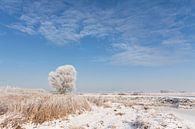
(116,45)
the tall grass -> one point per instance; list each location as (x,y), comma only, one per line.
(18,106)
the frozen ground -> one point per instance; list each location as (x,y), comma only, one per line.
(98,111)
(186,115)
(118,116)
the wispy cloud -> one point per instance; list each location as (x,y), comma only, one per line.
(140,55)
(22,28)
(60,22)
(134,25)
(11,6)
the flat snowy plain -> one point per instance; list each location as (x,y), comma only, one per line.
(121,115)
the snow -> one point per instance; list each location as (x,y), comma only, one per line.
(118,116)
(185,115)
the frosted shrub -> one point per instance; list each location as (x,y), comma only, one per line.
(63,79)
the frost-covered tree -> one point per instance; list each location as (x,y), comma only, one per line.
(63,79)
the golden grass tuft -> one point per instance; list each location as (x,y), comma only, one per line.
(37,106)
(54,107)
(119,114)
(77,127)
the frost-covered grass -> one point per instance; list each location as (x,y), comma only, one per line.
(39,109)
(18,106)
(118,116)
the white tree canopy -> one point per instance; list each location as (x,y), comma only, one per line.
(63,79)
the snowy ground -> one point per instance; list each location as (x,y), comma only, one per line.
(186,115)
(108,110)
(118,116)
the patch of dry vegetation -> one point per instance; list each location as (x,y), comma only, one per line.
(105,101)
(148,101)
(77,127)
(19,106)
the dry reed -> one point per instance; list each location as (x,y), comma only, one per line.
(37,106)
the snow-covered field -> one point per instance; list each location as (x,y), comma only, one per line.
(118,116)
(129,112)
(96,111)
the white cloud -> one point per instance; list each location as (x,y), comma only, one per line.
(140,55)
(52,33)
(11,6)
(22,28)
(177,42)
(134,28)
